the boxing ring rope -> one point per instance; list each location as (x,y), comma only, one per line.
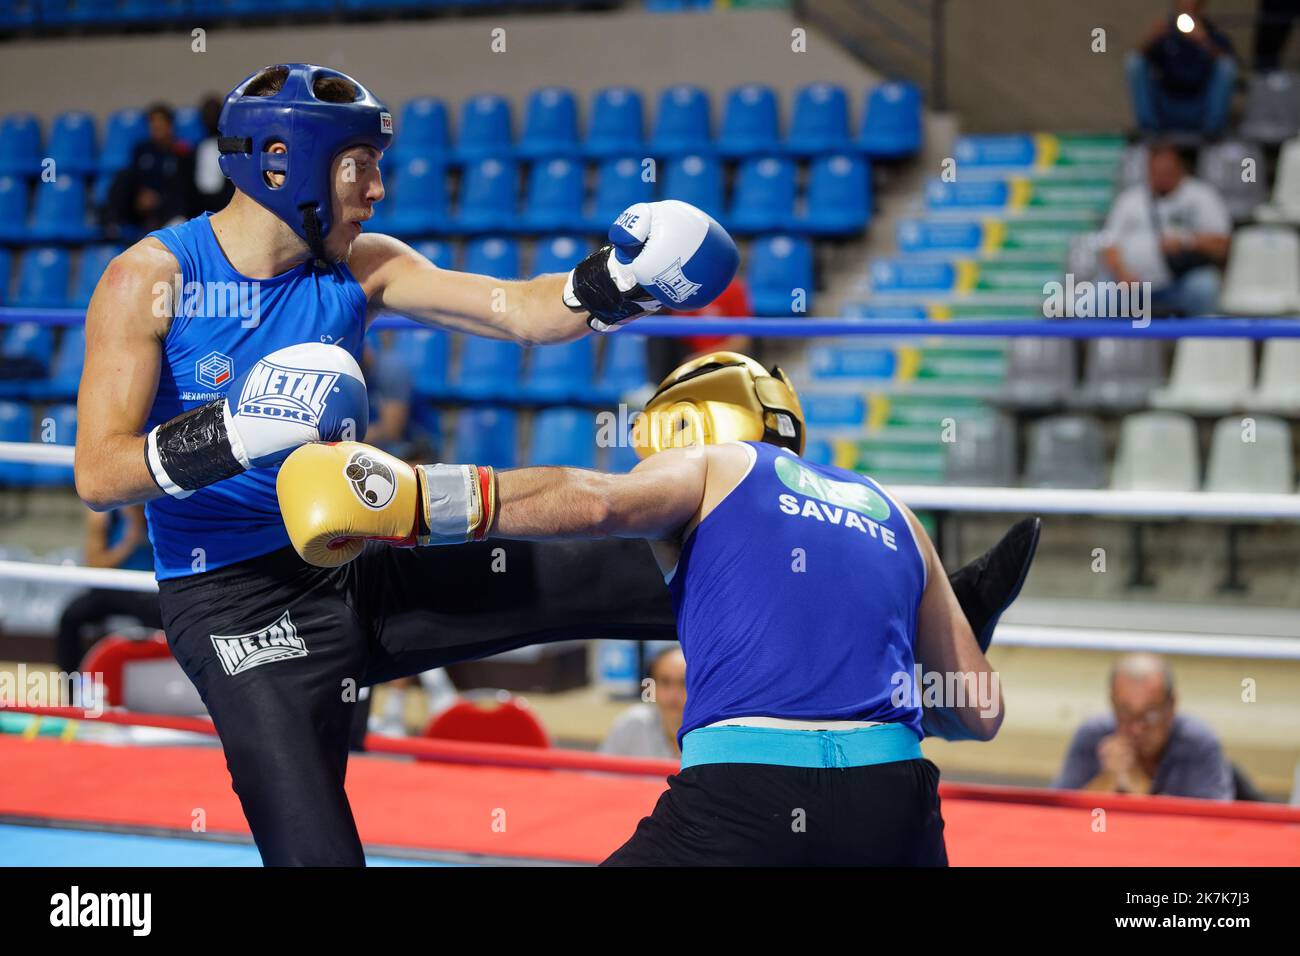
(1257,327)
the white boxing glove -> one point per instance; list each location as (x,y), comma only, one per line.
(660,254)
(303,393)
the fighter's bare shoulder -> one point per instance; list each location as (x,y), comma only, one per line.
(133,278)
(376,257)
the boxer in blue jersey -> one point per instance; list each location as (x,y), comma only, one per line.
(217,346)
(805,598)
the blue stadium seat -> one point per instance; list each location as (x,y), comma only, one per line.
(487,436)
(940,237)
(551,125)
(697,180)
(764,196)
(20,145)
(821,121)
(560,373)
(424,131)
(819,452)
(13,209)
(189,126)
(421,187)
(778,266)
(60,212)
(100,189)
(559,254)
(621,458)
(487,197)
(94,260)
(428,352)
(682,124)
(65,371)
(493,256)
(29,340)
(15,426)
(43,279)
(66,12)
(148,11)
(126,128)
(15,14)
(839,196)
(619,184)
(58,423)
(489,369)
(5,262)
(564,436)
(623,369)
(426,425)
(441,254)
(484,128)
(891,122)
(555,195)
(751,123)
(73,145)
(616,126)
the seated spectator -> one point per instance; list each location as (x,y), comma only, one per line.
(1145,746)
(157,187)
(650,730)
(1183,76)
(113,539)
(667,354)
(211,187)
(1173,232)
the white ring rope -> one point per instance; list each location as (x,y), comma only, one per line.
(35,453)
(1064,501)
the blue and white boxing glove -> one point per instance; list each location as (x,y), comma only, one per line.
(303,393)
(659,254)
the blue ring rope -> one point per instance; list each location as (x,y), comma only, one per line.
(1215,328)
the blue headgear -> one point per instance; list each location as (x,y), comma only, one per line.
(313,132)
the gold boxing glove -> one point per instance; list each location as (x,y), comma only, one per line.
(336,495)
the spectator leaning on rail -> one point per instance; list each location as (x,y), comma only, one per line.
(1182,76)
(1144,746)
(1172,231)
(650,729)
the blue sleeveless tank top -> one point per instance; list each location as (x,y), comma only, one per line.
(223,322)
(797,597)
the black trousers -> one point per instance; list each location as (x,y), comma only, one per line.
(94,608)
(279,649)
(733,814)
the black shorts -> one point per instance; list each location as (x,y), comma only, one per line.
(279,649)
(735,814)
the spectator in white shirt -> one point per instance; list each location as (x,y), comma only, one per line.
(1173,232)
(650,729)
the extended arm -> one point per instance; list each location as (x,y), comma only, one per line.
(655,500)
(530,312)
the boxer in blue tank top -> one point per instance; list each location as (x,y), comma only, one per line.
(812,609)
(216,347)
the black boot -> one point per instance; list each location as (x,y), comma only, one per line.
(987,586)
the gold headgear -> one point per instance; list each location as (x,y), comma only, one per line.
(721,397)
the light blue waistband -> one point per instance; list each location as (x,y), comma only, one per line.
(862,747)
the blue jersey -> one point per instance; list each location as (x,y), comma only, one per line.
(797,597)
(223,323)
